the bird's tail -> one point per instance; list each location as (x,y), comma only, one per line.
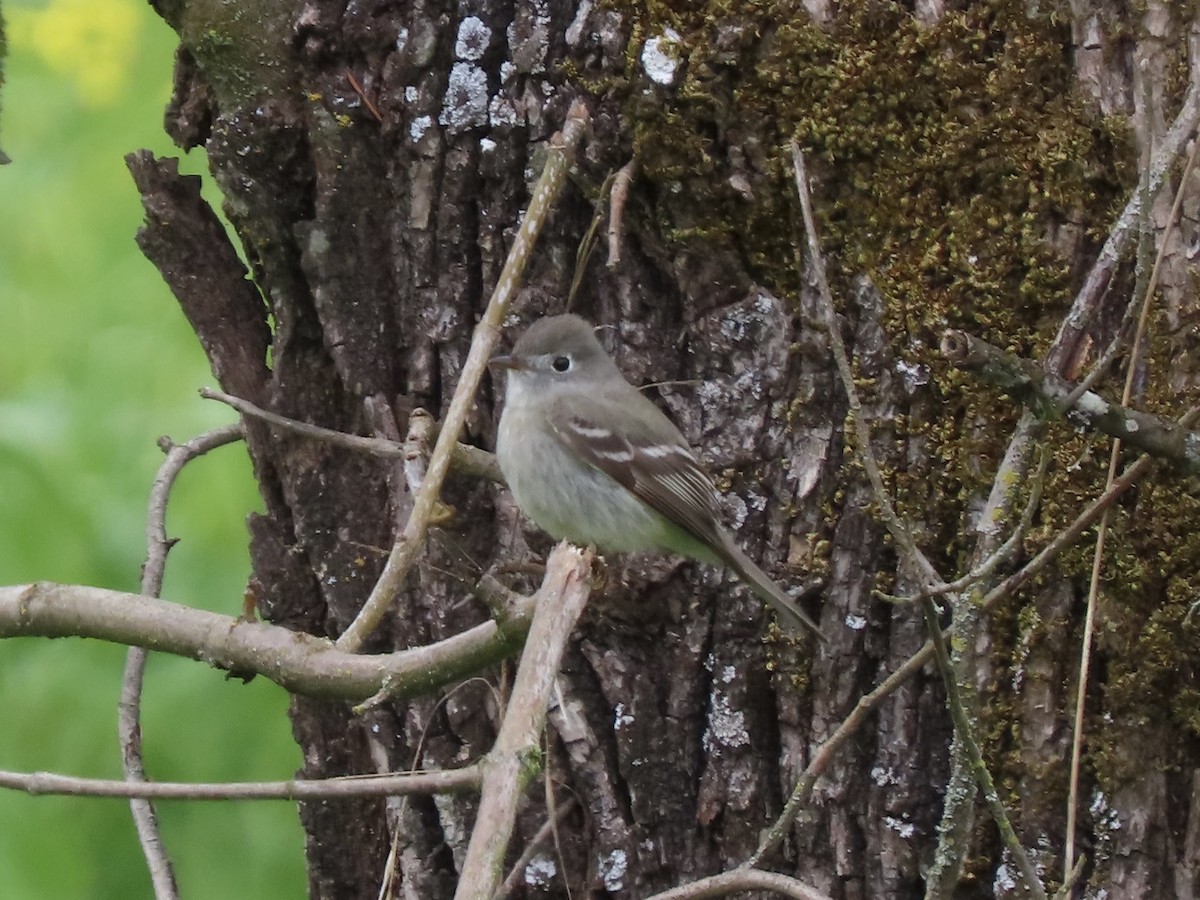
(790,615)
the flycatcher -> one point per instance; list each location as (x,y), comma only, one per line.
(589,459)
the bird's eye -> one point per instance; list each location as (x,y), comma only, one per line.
(561,363)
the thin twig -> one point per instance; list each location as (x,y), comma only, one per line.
(1068,886)
(1005,551)
(517,872)
(467,460)
(411,542)
(1083,308)
(617,195)
(966,736)
(371,107)
(1101,535)
(926,576)
(548,787)
(824,755)
(129,707)
(741,880)
(924,571)
(515,757)
(445,781)
(1131,476)
(1061,359)
(587,244)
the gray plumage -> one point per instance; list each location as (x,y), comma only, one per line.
(590,459)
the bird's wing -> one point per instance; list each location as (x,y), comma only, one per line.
(656,465)
(653,462)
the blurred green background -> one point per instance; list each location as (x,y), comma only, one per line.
(96,362)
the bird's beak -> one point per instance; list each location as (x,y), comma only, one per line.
(512,363)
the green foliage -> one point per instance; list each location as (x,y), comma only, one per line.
(96,361)
(3,54)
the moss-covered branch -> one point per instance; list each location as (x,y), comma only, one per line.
(1049,397)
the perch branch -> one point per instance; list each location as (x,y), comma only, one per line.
(411,542)
(515,757)
(129,708)
(1045,394)
(466,459)
(447,781)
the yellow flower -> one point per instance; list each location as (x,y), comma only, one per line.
(92,42)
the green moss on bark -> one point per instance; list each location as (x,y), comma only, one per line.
(959,166)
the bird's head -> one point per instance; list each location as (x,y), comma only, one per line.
(557,352)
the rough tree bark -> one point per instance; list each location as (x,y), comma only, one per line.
(969,159)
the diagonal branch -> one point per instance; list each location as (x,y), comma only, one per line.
(911,555)
(1047,394)
(1083,309)
(922,569)
(412,541)
(516,756)
(965,733)
(549,829)
(858,716)
(1089,623)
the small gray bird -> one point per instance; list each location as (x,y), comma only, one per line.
(590,459)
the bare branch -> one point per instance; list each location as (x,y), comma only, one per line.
(411,542)
(467,459)
(299,662)
(449,781)
(1089,622)
(617,196)
(1005,551)
(1045,394)
(1131,476)
(918,564)
(742,880)
(515,757)
(129,708)
(965,733)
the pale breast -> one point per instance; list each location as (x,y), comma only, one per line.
(565,497)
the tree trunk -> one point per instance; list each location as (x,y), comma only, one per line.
(968,163)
